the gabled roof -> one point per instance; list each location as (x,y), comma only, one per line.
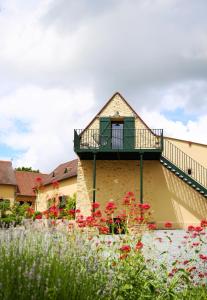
(62,172)
(107,103)
(26,181)
(7,175)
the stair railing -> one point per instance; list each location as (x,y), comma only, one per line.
(185,163)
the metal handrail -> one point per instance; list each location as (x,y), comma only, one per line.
(127,138)
(185,163)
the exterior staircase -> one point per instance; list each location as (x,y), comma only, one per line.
(184,167)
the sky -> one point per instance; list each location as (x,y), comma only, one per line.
(60,61)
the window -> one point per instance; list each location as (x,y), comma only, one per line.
(62,201)
(117,134)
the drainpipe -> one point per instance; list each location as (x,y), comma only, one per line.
(141,178)
(94,177)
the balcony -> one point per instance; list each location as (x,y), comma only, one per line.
(124,143)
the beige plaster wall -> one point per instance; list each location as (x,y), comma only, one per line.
(197,151)
(170,198)
(66,187)
(7,192)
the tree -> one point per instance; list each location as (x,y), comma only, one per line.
(27,169)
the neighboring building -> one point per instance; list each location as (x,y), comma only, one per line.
(7,182)
(66,177)
(118,153)
(26,181)
(19,185)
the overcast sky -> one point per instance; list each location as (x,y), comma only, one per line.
(60,61)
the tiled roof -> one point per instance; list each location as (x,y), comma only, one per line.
(7,175)
(62,172)
(26,181)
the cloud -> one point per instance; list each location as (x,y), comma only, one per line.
(48,118)
(61,60)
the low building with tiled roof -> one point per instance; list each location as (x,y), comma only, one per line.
(19,185)
(7,181)
(26,181)
(66,177)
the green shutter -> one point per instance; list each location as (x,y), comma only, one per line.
(105,133)
(129,133)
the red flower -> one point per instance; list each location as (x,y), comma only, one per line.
(110,206)
(55,184)
(104,230)
(168,225)
(126,201)
(139,245)
(38,179)
(130,194)
(198,229)
(152,226)
(191,228)
(123,256)
(95,205)
(71,212)
(203,257)
(97,214)
(204,223)
(145,206)
(30,211)
(38,217)
(125,248)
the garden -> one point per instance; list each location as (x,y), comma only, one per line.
(60,254)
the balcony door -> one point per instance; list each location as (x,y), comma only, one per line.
(117,135)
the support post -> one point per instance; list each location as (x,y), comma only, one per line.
(141,178)
(94,177)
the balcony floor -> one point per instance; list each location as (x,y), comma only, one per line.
(122,155)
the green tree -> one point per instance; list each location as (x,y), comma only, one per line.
(27,169)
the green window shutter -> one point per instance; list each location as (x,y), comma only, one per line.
(105,133)
(129,133)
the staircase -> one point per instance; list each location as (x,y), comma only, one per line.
(184,167)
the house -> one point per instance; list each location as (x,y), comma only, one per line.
(8,184)
(17,185)
(118,152)
(59,184)
(20,185)
(26,182)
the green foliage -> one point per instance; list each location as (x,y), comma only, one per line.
(11,214)
(70,202)
(27,169)
(4,207)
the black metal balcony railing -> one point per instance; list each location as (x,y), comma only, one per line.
(124,140)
